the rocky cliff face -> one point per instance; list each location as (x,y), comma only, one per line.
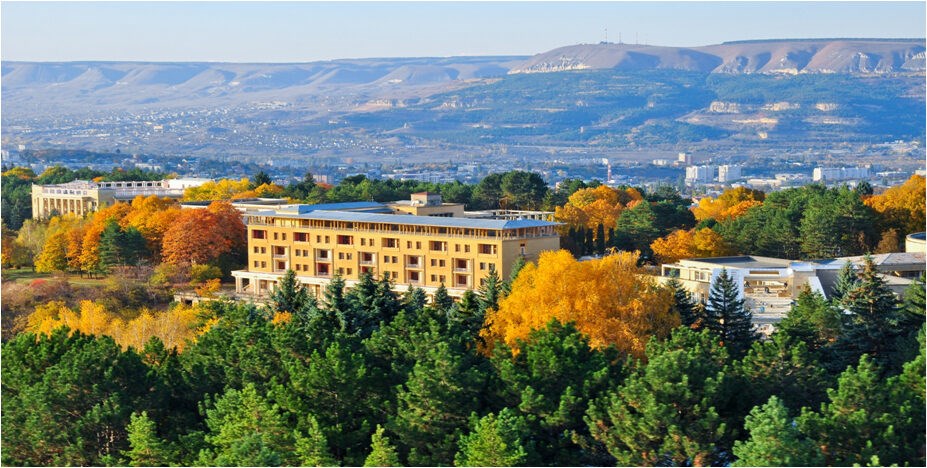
(856,56)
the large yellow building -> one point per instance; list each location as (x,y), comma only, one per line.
(348,239)
(81,197)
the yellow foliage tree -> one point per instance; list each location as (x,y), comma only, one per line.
(902,207)
(224,189)
(690,244)
(593,206)
(732,203)
(609,299)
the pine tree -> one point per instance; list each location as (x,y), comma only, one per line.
(441,301)
(774,440)
(669,411)
(289,295)
(414,299)
(146,449)
(494,441)
(466,314)
(435,403)
(871,325)
(600,239)
(312,448)
(382,453)
(517,265)
(334,296)
(490,291)
(847,280)
(690,313)
(727,318)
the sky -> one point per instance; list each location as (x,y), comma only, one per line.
(311,31)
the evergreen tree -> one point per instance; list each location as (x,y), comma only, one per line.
(813,321)
(382,453)
(847,280)
(246,430)
(441,301)
(517,265)
(289,295)
(334,296)
(146,449)
(784,367)
(600,239)
(494,441)
(467,314)
(490,291)
(551,381)
(414,300)
(671,411)
(690,313)
(871,325)
(727,318)
(260,179)
(774,440)
(635,228)
(312,448)
(434,404)
(588,242)
(369,302)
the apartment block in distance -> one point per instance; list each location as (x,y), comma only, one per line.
(82,197)
(318,242)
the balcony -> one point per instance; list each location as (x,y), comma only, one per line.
(367,263)
(414,266)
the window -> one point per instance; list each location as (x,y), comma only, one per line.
(467,248)
(345,240)
(441,279)
(408,244)
(263,250)
(318,239)
(441,263)
(300,237)
(327,239)
(434,263)
(456,247)
(256,264)
(437,246)
(414,276)
(298,253)
(263,264)
(278,250)
(366,257)
(299,267)
(363,241)
(283,236)
(434,278)
(418,245)
(482,266)
(386,259)
(370,242)
(486,249)
(522,246)
(259,234)
(256,249)
(275,236)
(390,242)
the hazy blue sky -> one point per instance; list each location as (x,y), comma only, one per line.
(296,31)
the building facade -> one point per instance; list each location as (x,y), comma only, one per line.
(832,174)
(769,286)
(81,197)
(421,251)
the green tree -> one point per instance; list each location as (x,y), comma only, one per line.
(726,316)
(245,429)
(494,441)
(441,301)
(490,291)
(522,190)
(774,440)
(871,325)
(671,411)
(552,381)
(260,179)
(382,453)
(312,448)
(434,404)
(289,295)
(784,367)
(847,280)
(690,313)
(636,229)
(146,448)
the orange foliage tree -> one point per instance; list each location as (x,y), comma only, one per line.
(901,207)
(201,236)
(690,244)
(59,249)
(152,216)
(609,299)
(90,245)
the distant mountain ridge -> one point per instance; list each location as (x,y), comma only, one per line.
(849,56)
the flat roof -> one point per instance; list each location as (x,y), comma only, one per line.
(439,221)
(743,261)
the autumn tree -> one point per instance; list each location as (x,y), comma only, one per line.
(731,204)
(625,310)
(224,189)
(202,236)
(694,243)
(901,207)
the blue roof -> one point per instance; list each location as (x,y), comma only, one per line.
(409,219)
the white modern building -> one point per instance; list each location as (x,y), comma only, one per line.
(729,173)
(700,174)
(833,174)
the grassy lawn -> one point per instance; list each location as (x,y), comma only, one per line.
(21,275)
(25,275)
